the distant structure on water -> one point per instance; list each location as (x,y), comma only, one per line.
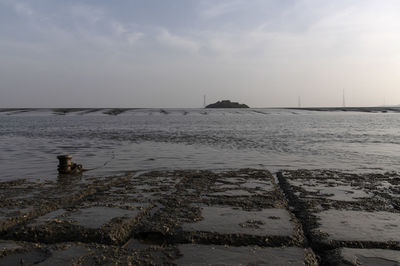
(204,101)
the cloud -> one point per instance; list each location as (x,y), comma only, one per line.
(91,14)
(214,9)
(24,9)
(264,43)
(177,42)
(133,38)
(122,31)
(119,28)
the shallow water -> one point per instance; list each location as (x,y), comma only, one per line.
(146,139)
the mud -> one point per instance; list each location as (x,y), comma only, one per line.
(202,217)
(183,217)
(147,219)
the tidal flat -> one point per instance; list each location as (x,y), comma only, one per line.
(202,217)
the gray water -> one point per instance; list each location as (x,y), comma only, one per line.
(159,139)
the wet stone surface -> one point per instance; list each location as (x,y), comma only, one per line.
(368,257)
(86,254)
(148,219)
(203,210)
(226,220)
(343,210)
(8,246)
(22,200)
(197,255)
(360,225)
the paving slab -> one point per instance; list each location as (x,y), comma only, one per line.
(22,200)
(197,255)
(205,208)
(242,186)
(235,226)
(85,223)
(144,188)
(8,246)
(367,257)
(97,216)
(226,220)
(342,225)
(141,219)
(86,254)
(333,189)
(25,257)
(343,209)
(67,256)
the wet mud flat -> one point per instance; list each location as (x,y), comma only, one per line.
(155,218)
(241,217)
(348,219)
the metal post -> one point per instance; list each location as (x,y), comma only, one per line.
(65,163)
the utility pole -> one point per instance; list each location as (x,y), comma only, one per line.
(344,100)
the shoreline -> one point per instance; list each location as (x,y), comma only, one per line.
(112,111)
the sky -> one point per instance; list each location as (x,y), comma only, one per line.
(169,53)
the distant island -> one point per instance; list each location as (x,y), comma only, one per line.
(226,104)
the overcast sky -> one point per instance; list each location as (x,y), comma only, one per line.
(169,53)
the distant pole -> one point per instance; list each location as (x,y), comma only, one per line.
(204,102)
(344,100)
(299,102)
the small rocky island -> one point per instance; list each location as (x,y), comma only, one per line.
(226,104)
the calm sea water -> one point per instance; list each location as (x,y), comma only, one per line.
(146,139)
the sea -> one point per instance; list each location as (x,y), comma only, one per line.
(117,141)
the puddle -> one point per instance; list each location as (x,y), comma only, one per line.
(48,217)
(371,257)
(151,238)
(65,257)
(225,220)
(95,217)
(225,255)
(360,226)
(25,258)
(331,190)
(6,245)
(135,244)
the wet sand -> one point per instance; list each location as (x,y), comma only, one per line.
(243,217)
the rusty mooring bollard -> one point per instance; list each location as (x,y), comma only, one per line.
(67,167)
(65,163)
